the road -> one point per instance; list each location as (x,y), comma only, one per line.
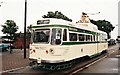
(0,61)
(109,64)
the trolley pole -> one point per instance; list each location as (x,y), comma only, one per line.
(25,18)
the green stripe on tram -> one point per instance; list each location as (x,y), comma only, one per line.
(77,30)
(75,43)
(83,31)
(50,26)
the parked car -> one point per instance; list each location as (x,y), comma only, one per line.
(118,40)
(111,42)
(4,47)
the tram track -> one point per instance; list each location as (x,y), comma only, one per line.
(78,67)
(86,65)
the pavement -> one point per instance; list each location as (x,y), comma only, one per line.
(14,61)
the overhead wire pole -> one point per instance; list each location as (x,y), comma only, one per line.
(25,19)
(92,13)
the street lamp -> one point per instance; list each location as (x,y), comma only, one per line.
(25,19)
(1,3)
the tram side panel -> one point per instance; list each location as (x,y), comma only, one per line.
(89,49)
(74,52)
(102,43)
(77,51)
(102,47)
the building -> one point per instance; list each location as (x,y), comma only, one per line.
(19,43)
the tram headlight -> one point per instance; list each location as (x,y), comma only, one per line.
(51,51)
(30,49)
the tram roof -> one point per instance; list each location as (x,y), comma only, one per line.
(53,21)
(99,31)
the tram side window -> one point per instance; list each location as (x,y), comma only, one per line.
(88,38)
(94,38)
(91,38)
(65,35)
(72,37)
(100,37)
(104,37)
(81,37)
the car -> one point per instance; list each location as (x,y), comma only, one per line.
(111,42)
(4,47)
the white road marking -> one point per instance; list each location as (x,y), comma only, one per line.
(88,65)
(115,69)
(13,69)
(118,56)
(0,54)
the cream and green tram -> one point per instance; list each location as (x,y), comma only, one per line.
(56,41)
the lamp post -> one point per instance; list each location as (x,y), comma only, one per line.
(25,19)
(118,37)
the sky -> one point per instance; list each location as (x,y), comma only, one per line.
(14,10)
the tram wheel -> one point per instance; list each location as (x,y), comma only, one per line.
(52,68)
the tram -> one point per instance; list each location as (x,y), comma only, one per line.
(59,42)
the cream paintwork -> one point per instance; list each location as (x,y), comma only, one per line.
(66,52)
(102,46)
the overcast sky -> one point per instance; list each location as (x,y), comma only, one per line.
(14,10)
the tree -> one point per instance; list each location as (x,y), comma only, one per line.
(10,28)
(57,15)
(104,25)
